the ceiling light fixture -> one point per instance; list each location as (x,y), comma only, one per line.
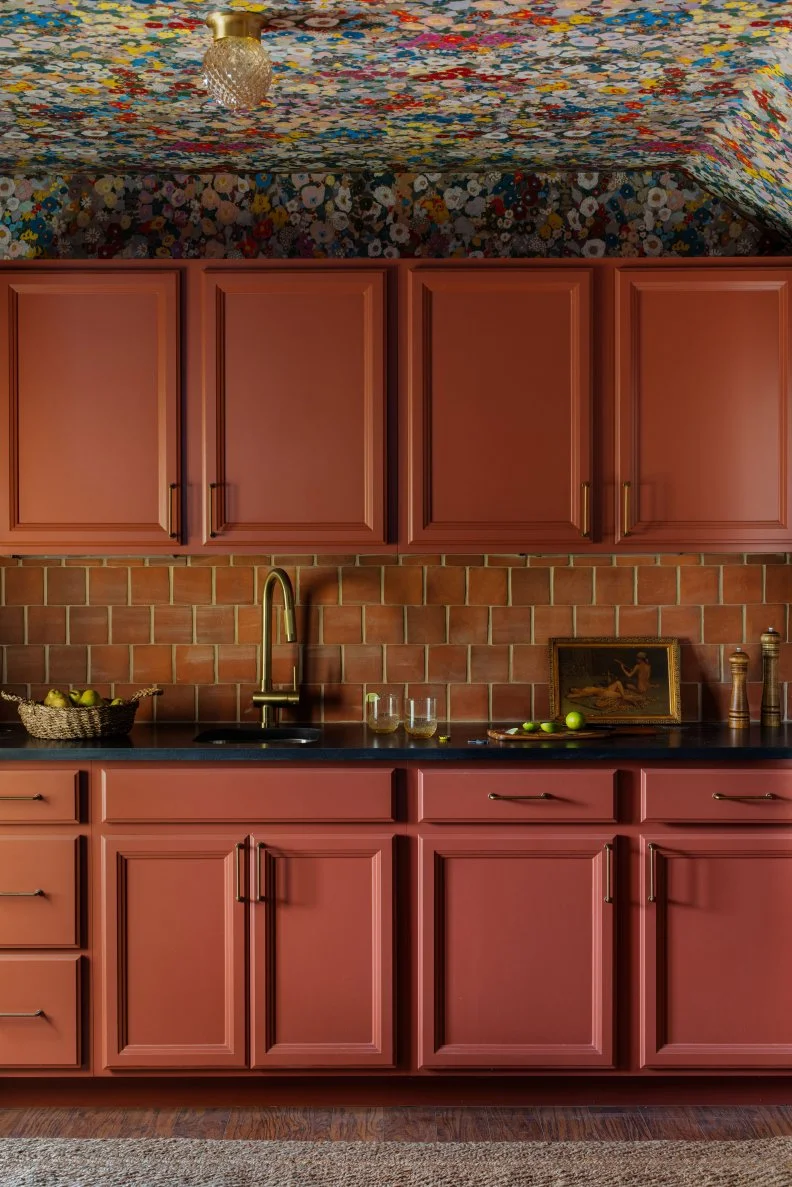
(237,68)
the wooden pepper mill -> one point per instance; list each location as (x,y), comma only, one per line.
(739,716)
(771,691)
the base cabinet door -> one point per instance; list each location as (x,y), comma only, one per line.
(322,951)
(515,950)
(173,951)
(715,968)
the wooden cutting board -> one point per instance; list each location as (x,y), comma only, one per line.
(572,735)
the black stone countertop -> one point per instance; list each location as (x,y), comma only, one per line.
(354,743)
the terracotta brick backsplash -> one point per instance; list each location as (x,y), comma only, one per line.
(473,630)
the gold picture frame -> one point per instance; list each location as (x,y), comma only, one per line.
(616,680)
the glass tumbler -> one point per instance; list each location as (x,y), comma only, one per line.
(383,712)
(420,716)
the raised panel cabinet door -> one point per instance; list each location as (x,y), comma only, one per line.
(704,391)
(322,951)
(294,407)
(89,392)
(173,951)
(515,950)
(499,408)
(715,965)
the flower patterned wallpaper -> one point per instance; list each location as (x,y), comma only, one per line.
(114,86)
(318,215)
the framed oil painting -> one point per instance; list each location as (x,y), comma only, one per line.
(616,680)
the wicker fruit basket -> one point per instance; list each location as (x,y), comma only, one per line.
(79,721)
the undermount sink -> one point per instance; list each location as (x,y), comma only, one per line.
(247,735)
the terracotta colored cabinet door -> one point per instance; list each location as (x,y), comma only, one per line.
(173,952)
(715,964)
(294,408)
(89,395)
(515,950)
(499,408)
(40,1011)
(322,951)
(704,390)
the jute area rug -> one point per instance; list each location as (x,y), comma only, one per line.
(187,1162)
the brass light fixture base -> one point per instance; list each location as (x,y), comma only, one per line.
(226,23)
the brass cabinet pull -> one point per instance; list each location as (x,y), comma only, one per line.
(19,798)
(608,873)
(585,494)
(257,891)
(239,850)
(745,799)
(210,507)
(545,795)
(652,872)
(173,530)
(626,489)
(17,1014)
(20,893)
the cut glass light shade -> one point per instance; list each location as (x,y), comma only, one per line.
(237,68)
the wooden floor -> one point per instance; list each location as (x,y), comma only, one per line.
(407,1124)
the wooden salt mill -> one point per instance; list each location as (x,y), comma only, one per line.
(739,716)
(771,691)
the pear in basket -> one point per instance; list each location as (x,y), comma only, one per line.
(56,699)
(90,699)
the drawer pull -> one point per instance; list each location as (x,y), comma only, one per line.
(257,891)
(744,799)
(14,1014)
(608,873)
(545,795)
(239,849)
(20,893)
(6,799)
(652,872)
(585,526)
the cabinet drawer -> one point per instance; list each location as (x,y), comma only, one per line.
(38,892)
(36,796)
(481,796)
(39,1011)
(228,794)
(728,796)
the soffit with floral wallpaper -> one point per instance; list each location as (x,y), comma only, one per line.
(106,85)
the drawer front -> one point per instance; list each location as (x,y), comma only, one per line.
(36,796)
(38,892)
(498,796)
(227,794)
(40,1011)
(726,796)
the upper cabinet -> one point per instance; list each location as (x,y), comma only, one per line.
(703,425)
(498,434)
(294,408)
(89,397)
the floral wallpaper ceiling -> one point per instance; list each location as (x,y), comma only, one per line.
(368,85)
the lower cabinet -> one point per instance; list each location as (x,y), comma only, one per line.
(40,1011)
(516,950)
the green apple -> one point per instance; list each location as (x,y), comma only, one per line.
(550,727)
(574,720)
(90,699)
(55,699)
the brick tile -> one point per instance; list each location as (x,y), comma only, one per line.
(785,662)
(541,702)
(131,624)
(319,586)
(237,662)
(759,618)
(88,624)
(590,561)
(573,587)
(715,702)
(447,663)
(548,562)
(192,587)
(109,662)
(404,662)
(66,587)
(342,702)
(766,558)
(150,586)
(469,702)
(24,587)
(683,622)
(384,624)
(214,624)
(638,620)
(488,587)
(125,562)
(307,621)
(285,658)
(701,663)
(361,585)
(445,586)
(218,702)
(215,560)
(468,624)
(723,624)
(657,587)
(511,702)
(530,587)
(512,624)
(68,665)
(721,558)
(403,586)
(550,622)
(12,625)
(195,664)
(235,586)
(421,559)
(249,624)
(614,586)
(304,560)
(322,665)
(689,698)
(438,691)
(639,560)
(489,663)
(385,558)
(145,711)
(152,664)
(172,624)
(699,587)
(341,624)
(778,583)
(530,663)
(426,624)
(362,663)
(742,583)
(46,624)
(108,587)
(177,703)
(680,560)
(595,621)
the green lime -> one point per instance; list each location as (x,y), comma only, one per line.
(372,696)
(550,727)
(574,720)
(529,726)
